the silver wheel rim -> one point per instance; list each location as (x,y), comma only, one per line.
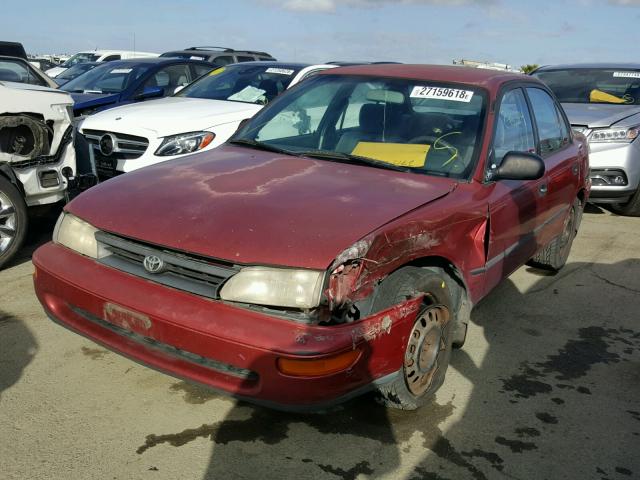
(8,219)
(426,341)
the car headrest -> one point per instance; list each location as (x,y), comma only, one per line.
(372,118)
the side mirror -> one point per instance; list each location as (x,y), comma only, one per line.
(519,166)
(178,88)
(150,92)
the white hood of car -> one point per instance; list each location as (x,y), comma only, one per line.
(169,116)
(55,71)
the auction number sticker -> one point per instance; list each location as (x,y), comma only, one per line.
(442,93)
(627,74)
(281,71)
(120,70)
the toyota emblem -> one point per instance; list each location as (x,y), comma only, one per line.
(153,264)
(107,144)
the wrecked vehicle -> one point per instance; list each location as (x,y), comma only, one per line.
(36,156)
(334,245)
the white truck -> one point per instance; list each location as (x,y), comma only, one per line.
(37,158)
(97,56)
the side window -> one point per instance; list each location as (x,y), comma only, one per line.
(245,59)
(168,78)
(552,128)
(514,130)
(111,58)
(200,70)
(14,71)
(223,60)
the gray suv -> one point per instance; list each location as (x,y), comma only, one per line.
(219,56)
(602,101)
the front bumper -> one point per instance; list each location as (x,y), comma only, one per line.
(606,158)
(225,347)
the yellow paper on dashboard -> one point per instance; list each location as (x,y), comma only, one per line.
(401,154)
(600,96)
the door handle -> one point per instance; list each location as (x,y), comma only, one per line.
(542,189)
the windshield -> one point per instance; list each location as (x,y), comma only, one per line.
(413,125)
(107,78)
(80,58)
(76,70)
(242,83)
(594,85)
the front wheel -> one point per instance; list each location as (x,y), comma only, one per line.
(428,348)
(630,208)
(13,220)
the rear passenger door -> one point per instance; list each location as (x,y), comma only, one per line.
(561,159)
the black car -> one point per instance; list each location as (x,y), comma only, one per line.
(219,56)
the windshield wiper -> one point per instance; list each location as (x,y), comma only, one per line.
(355,159)
(261,146)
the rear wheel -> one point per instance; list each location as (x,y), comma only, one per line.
(13,220)
(428,349)
(554,256)
(630,208)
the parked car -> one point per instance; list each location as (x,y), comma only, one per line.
(36,147)
(219,56)
(127,81)
(602,101)
(19,70)
(74,72)
(303,263)
(97,56)
(42,64)
(199,117)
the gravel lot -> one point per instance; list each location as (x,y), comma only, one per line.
(547,387)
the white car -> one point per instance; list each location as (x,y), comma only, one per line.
(36,145)
(97,56)
(201,116)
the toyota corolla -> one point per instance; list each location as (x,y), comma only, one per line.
(334,245)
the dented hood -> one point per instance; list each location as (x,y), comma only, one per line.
(253,207)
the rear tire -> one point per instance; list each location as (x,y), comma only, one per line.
(554,256)
(630,208)
(13,220)
(428,350)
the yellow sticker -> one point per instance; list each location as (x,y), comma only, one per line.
(600,96)
(443,285)
(217,71)
(400,154)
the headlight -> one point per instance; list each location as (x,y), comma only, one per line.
(278,287)
(77,235)
(615,135)
(184,143)
(64,109)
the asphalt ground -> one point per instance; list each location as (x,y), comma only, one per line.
(547,387)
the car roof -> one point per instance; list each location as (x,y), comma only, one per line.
(273,63)
(570,66)
(215,51)
(490,79)
(152,60)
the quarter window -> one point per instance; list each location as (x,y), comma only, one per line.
(223,60)
(514,130)
(552,128)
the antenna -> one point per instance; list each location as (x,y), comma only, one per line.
(134,42)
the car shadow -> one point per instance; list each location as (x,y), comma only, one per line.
(17,348)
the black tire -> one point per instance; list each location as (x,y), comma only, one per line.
(554,256)
(13,220)
(428,350)
(630,208)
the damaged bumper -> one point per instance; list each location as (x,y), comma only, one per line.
(220,345)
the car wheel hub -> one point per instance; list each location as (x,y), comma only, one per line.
(425,343)
(7,222)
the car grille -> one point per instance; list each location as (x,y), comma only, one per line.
(126,147)
(181,271)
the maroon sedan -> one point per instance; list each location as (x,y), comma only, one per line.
(335,244)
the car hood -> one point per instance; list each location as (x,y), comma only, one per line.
(170,116)
(89,100)
(252,207)
(598,115)
(52,72)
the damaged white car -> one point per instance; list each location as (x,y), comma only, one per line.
(37,158)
